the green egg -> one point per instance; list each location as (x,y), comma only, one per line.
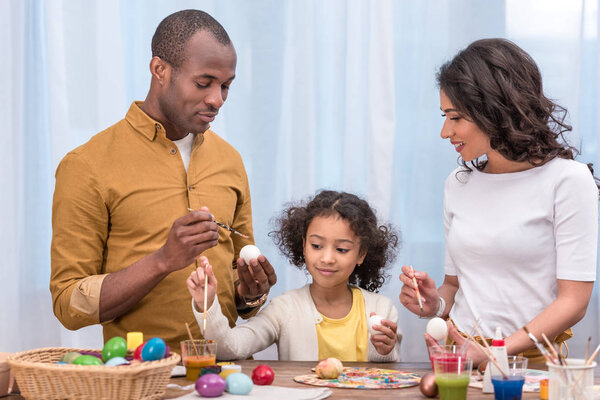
(87,360)
(70,357)
(115,347)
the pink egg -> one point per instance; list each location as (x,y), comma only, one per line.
(210,385)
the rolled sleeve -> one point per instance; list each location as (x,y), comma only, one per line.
(79,232)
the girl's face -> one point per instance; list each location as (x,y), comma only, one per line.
(466,137)
(331,251)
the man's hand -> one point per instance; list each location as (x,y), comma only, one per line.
(189,236)
(256,279)
(385,341)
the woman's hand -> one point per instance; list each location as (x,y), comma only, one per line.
(385,341)
(474,350)
(427,289)
(195,285)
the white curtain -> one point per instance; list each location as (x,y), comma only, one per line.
(329,94)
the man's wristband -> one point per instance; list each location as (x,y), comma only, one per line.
(256,302)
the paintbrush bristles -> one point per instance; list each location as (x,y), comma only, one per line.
(225,226)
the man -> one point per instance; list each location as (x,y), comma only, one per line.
(123,241)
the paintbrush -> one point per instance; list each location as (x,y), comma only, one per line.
(466,343)
(587,348)
(226,227)
(488,353)
(417,289)
(192,339)
(539,346)
(594,354)
(554,352)
(588,361)
(205,302)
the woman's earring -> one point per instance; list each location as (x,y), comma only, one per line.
(358,265)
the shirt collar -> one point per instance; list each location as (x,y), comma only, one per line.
(142,123)
(148,127)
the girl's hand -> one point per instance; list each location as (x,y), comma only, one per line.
(385,341)
(427,289)
(195,285)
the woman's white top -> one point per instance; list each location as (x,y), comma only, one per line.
(509,237)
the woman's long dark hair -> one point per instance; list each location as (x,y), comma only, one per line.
(498,86)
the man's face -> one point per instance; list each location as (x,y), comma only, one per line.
(197,89)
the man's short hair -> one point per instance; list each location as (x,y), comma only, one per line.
(175,30)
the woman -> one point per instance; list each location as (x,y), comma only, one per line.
(521,224)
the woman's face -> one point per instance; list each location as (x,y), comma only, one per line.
(465,135)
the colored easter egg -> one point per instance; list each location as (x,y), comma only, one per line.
(329,368)
(87,360)
(114,347)
(228,369)
(154,350)
(428,386)
(91,353)
(137,354)
(238,383)
(210,385)
(249,252)
(113,362)
(263,375)
(70,357)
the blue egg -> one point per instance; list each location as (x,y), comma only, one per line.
(113,362)
(154,349)
(238,383)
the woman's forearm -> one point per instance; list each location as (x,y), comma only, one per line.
(564,312)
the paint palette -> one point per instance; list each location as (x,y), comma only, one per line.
(364,378)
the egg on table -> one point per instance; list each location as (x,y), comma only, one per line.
(238,383)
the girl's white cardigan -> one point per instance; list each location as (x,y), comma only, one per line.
(288,320)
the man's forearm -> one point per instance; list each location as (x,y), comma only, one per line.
(122,290)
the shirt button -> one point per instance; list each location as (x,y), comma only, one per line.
(190,188)
(173,151)
(157,126)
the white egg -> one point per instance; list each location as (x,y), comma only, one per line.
(374,320)
(437,328)
(249,252)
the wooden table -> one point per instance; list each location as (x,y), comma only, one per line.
(285,371)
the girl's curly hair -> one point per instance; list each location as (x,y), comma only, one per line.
(379,241)
(499,87)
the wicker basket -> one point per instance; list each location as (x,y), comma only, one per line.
(39,377)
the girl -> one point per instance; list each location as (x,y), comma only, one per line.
(522,224)
(337,238)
